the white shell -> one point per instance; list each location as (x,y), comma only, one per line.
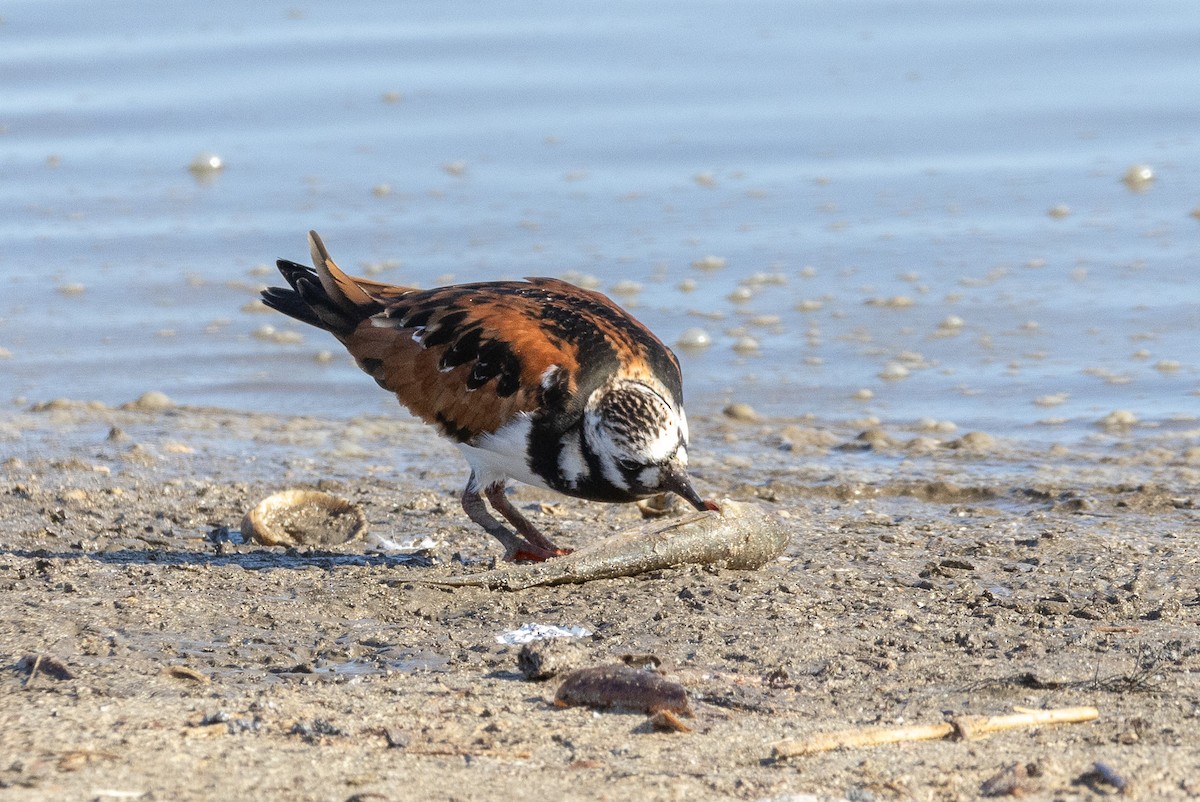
(304,518)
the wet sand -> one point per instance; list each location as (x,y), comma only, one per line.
(147,655)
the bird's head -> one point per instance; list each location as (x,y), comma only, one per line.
(640,438)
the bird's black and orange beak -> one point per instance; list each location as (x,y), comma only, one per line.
(675,479)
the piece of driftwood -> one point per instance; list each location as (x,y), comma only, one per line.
(965,727)
(741,535)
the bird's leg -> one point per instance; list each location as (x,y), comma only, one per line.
(476,510)
(501,504)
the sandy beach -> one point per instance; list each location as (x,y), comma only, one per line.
(945,253)
(149,656)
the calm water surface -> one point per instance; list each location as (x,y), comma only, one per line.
(930,192)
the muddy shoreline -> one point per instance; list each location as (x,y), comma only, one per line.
(926,575)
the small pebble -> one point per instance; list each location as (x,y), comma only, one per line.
(741,411)
(694,338)
(973,441)
(1118,419)
(745,345)
(893,371)
(152,401)
(951,324)
(206,167)
(710,263)
(1052,400)
(1139,177)
(542,659)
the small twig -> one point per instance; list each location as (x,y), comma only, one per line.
(965,727)
(33,670)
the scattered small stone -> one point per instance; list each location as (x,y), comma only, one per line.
(863,394)
(922,445)
(153,401)
(894,302)
(1012,780)
(1052,400)
(893,371)
(316,731)
(1059,211)
(741,411)
(455,168)
(709,263)
(694,338)
(745,345)
(973,441)
(542,659)
(1167,366)
(950,325)
(206,167)
(1139,177)
(1118,419)
(806,438)
(875,439)
(397,739)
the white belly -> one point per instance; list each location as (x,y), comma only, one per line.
(503,455)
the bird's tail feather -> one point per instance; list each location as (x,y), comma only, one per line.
(323,295)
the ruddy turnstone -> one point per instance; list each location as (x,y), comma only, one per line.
(536,380)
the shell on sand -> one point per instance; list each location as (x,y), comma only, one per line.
(741,535)
(304,518)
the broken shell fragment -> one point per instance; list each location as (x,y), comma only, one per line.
(304,518)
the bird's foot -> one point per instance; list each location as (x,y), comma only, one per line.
(527,552)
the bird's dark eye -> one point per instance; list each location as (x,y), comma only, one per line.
(628,465)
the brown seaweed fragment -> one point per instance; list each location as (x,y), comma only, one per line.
(622,688)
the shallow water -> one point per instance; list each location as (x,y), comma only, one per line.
(935,187)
